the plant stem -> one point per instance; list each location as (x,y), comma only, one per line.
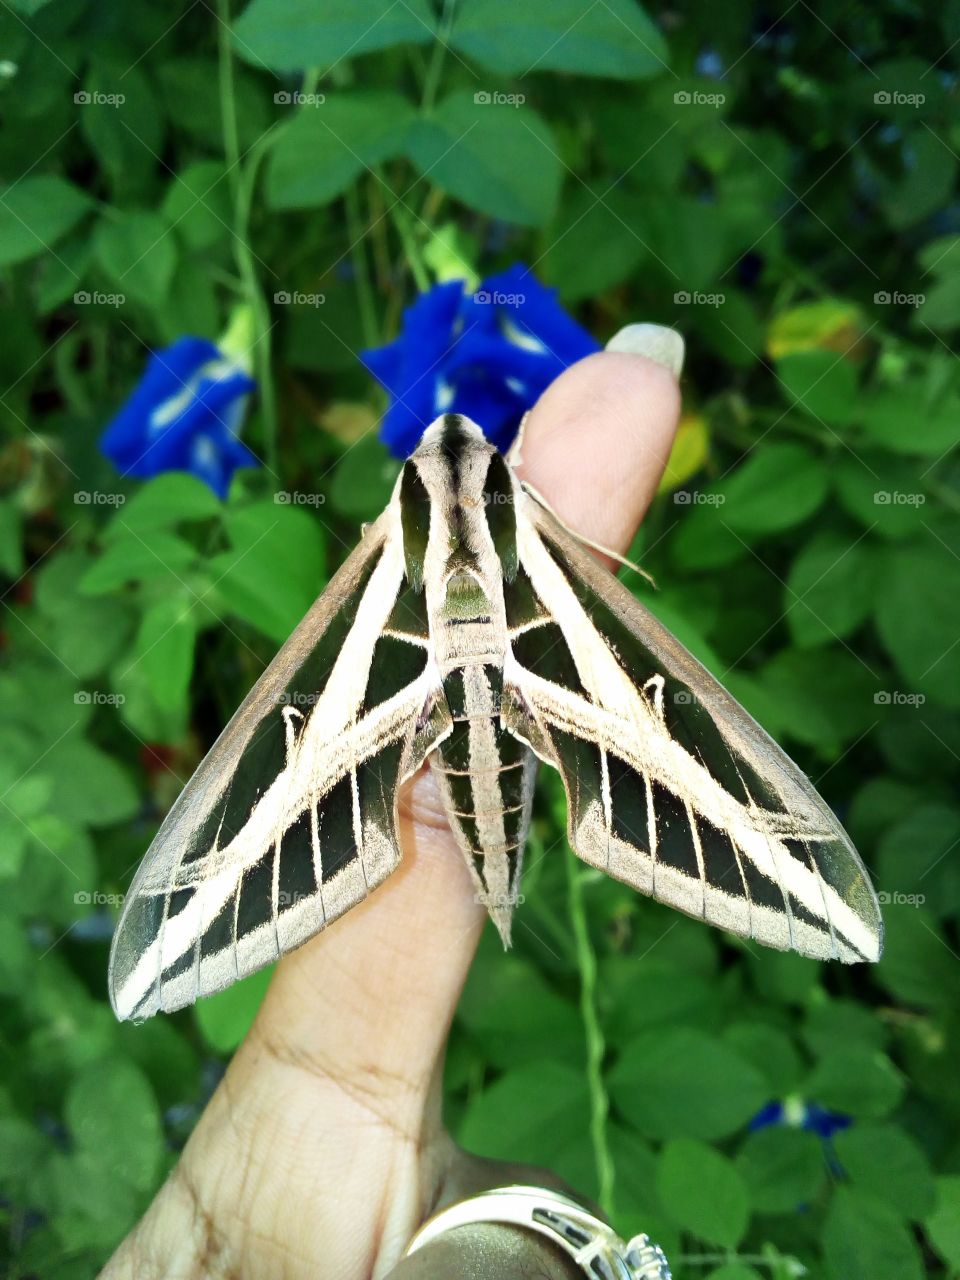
(241,187)
(365,295)
(410,247)
(432,81)
(596,1048)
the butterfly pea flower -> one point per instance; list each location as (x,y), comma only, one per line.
(487,353)
(186,412)
(794,1113)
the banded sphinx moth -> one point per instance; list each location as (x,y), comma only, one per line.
(470,629)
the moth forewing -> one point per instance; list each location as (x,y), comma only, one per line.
(470,629)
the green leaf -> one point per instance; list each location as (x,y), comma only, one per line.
(614,39)
(783,1169)
(114,1120)
(594,242)
(825,698)
(820,383)
(918,617)
(275,569)
(163,502)
(363,479)
(164,649)
(225,1018)
(859,1081)
(831,588)
(918,964)
(35,213)
(886,494)
(499,159)
(703,1192)
(943,1225)
(677,1081)
(528,1114)
(323,148)
(513,1013)
(287,35)
(131,558)
(11,546)
(864,1240)
(197,205)
(734,1271)
(901,419)
(138,253)
(777,487)
(771,1051)
(93,788)
(884,1162)
(914,863)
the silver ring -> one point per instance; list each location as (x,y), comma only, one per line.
(592,1244)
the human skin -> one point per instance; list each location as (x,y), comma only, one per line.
(323,1148)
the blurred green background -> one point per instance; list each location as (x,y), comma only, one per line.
(779,183)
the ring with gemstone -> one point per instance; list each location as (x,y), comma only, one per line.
(591,1243)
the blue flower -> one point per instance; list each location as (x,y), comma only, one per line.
(794,1113)
(184,414)
(488,355)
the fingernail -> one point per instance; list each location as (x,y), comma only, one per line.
(655,341)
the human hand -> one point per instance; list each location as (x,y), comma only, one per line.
(323,1149)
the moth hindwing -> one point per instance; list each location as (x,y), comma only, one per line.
(471,630)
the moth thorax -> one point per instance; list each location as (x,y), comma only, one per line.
(466,600)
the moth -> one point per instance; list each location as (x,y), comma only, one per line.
(471,630)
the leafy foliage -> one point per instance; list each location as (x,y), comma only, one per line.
(781,189)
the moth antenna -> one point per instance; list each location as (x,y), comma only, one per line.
(585,541)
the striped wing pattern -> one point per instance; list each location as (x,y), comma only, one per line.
(291,819)
(671,786)
(470,627)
